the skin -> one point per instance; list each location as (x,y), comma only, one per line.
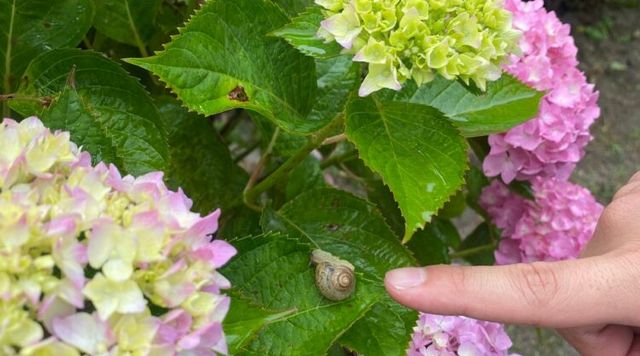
(594,301)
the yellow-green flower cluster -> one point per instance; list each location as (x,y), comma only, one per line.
(418,39)
(95,263)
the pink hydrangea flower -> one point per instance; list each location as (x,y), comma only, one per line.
(437,335)
(100,263)
(553,142)
(555,226)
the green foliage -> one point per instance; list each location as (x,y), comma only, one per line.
(31,27)
(107,112)
(431,245)
(418,153)
(352,229)
(127,21)
(223,59)
(301,34)
(477,248)
(506,103)
(395,165)
(199,160)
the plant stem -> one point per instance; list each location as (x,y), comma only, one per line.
(42,100)
(472,251)
(315,140)
(258,171)
(334,139)
(338,159)
(87,43)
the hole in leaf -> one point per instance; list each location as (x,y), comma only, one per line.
(238,94)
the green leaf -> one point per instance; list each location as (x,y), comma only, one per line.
(337,77)
(352,229)
(476,181)
(506,103)
(478,247)
(293,7)
(107,112)
(384,330)
(431,245)
(127,21)
(223,59)
(305,177)
(454,207)
(418,153)
(30,27)
(239,221)
(200,162)
(244,320)
(301,34)
(273,272)
(379,193)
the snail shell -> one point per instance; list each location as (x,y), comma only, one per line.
(335,278)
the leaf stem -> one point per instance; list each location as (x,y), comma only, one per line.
(7,61)
(315,140)
(45,100)
(338,159)
(334,139)
(261,164)
(87,43)
(472,251)
(136,36)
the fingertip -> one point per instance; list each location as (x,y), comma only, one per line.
(405,278)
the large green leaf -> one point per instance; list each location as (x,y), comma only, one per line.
(223,59)
(293,7)
(418,153)
(273,272)
(244,320)
(30,27)
(107,112)
(127,21)
(337,78)
(351,228)
(506,103)
(200,162)
(301,34)
(305,177)
(384,330)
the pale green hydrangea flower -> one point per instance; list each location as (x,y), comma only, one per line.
(419,39)
(93,263)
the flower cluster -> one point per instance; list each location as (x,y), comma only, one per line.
(553,142)
(555,226)
(95,263)
(417,39)
(457,335)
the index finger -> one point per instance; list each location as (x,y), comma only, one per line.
(553,294)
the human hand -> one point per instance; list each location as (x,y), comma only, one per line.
(593,301)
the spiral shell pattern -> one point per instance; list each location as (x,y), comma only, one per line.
(335,278)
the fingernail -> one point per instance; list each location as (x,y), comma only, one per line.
(405,278)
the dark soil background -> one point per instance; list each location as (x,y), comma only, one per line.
(608,36)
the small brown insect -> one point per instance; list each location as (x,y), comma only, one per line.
(238,94)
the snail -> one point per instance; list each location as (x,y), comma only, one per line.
(335,278)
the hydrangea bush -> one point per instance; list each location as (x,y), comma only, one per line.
(555,225)
(416,39)
(451,335)
(97,263)
(347,126)
(553,142)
